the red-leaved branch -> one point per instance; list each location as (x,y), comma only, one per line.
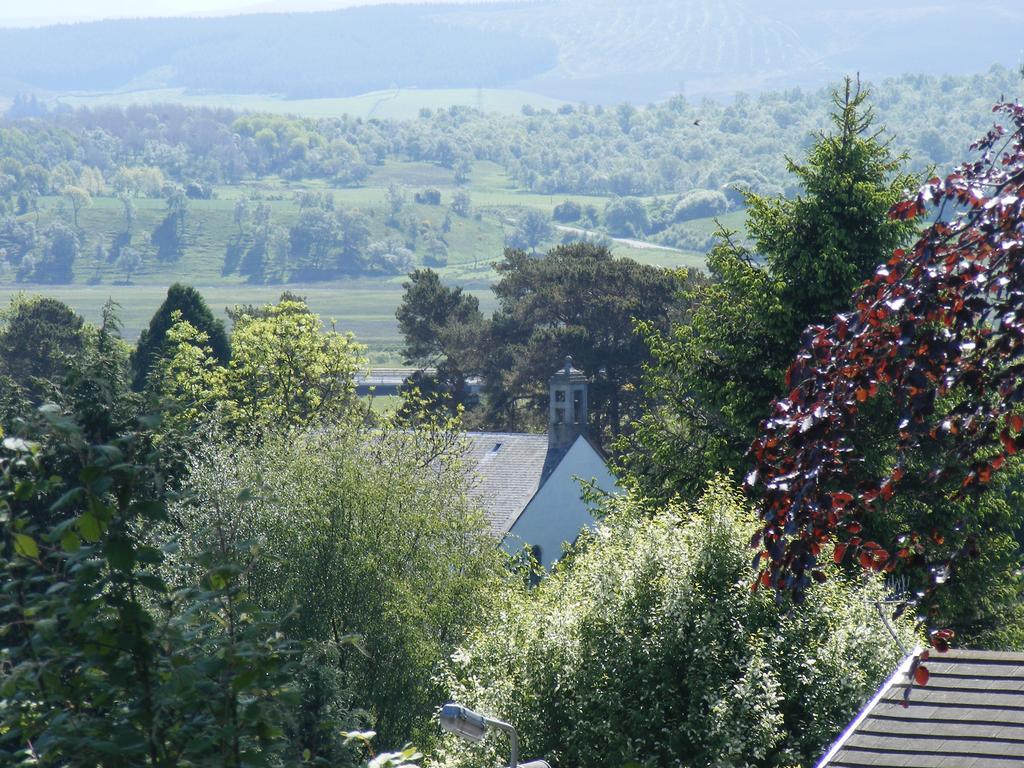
(939,329)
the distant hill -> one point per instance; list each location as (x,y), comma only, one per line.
(296,55)
(601,51)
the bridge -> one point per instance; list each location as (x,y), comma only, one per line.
(387,381)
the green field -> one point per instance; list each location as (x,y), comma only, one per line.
(396,104)
(364,306)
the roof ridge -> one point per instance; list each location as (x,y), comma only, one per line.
(902,670)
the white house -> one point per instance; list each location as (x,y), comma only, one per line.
(530,485)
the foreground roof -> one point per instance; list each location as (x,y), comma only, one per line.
(509,468)
(969,715)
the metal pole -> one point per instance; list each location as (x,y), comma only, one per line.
(513,738)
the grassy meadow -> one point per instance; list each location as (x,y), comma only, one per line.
(392,104)
(365,306)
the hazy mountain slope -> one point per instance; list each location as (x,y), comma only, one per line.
(595,50)
(609,37)
(880,37)
(298,55)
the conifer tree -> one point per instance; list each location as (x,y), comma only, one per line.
(153,343)
(717,372)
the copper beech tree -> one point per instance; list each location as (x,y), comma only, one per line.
(935,344)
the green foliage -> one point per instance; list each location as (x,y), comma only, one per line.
(717,373)
(825,242)
(567,211)
(700,204)
(461,204)
(576,300)
(626,217)
(153,343)
(61,246)
(128,638)
(47,353)
(649,648)
(430,313)
(442,327)
(531,229)
(285,371)
(374,557)
(105,662)
(39,340)
(169,235)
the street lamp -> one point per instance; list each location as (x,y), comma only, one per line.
(467,724)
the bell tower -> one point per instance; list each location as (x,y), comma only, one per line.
(567,416)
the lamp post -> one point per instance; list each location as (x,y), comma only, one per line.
(471,726)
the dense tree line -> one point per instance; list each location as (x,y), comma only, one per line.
(684,366)
(674,147)
(699,159)
(577,299)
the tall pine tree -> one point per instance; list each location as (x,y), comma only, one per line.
(716,373)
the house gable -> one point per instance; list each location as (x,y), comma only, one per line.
(557,512)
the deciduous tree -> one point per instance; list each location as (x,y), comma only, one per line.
(153,344)
(650,626)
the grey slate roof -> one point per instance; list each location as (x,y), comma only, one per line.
(509,467)
(969,715)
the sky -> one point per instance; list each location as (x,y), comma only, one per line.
(39,12)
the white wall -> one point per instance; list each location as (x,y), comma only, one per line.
(557,513)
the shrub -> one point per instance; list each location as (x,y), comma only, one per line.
(700,204)
(368,533)
(648,646)
(429,196)
(567,211)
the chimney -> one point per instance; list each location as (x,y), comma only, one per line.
(567,418)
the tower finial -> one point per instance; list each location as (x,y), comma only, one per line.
(568,406)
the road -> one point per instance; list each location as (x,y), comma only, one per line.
(641,244)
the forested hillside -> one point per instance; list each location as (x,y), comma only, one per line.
(300,55)
(124,199)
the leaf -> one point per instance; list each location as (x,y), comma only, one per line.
(839,553)
(921,675)
(26,546)
(70,542)
(364,736)
(120,553)
(153,510)
(89,527)
(18,445)
(151,581)
(66,499)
